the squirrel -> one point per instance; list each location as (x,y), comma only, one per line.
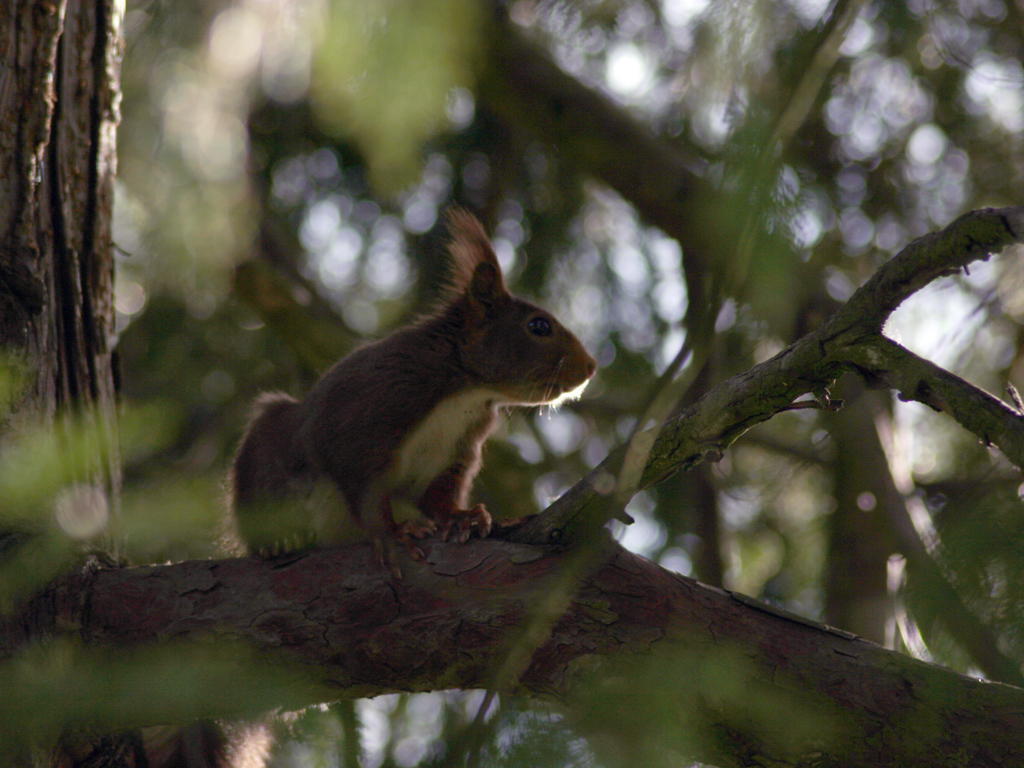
(400,422)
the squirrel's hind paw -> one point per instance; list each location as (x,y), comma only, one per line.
(405,534)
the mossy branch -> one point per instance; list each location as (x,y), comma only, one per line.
(850,340)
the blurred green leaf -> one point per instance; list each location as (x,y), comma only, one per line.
(384,73)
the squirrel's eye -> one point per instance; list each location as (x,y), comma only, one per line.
(540,326)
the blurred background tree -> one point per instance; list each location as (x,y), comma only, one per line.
(657,172)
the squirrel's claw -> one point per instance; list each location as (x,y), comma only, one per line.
(415,529)
(386,555)
(459,524)
(407,533)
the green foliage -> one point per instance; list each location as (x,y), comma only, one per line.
(385,73)
(52,685)
(54,505)
(13,380)
(630,694)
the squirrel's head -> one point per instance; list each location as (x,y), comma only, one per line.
(507,343)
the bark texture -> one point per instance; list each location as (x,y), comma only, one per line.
(59,94)
(59,109)
(744,681)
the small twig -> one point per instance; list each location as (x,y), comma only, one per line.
(1015,397)
(805,405)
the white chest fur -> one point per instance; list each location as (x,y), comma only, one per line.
(436,441)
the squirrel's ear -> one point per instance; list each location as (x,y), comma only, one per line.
(475,267)
(482,300)
(487,283)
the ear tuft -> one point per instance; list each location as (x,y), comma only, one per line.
(470,250)
(487,284)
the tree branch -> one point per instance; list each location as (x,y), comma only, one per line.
(815,73)
(849,340)
(525,87)
(231,637)
(974,236)
(914,378)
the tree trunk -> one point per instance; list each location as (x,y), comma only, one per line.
(58,116)
(860,538)
(59,96)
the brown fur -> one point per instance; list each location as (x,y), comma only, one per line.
(404,418)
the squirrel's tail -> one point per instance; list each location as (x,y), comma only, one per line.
(268,465)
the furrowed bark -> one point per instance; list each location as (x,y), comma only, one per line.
(234,637)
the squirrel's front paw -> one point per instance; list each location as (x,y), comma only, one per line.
(459,524)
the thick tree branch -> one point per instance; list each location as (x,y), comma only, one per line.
(599,138)
(332,624)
